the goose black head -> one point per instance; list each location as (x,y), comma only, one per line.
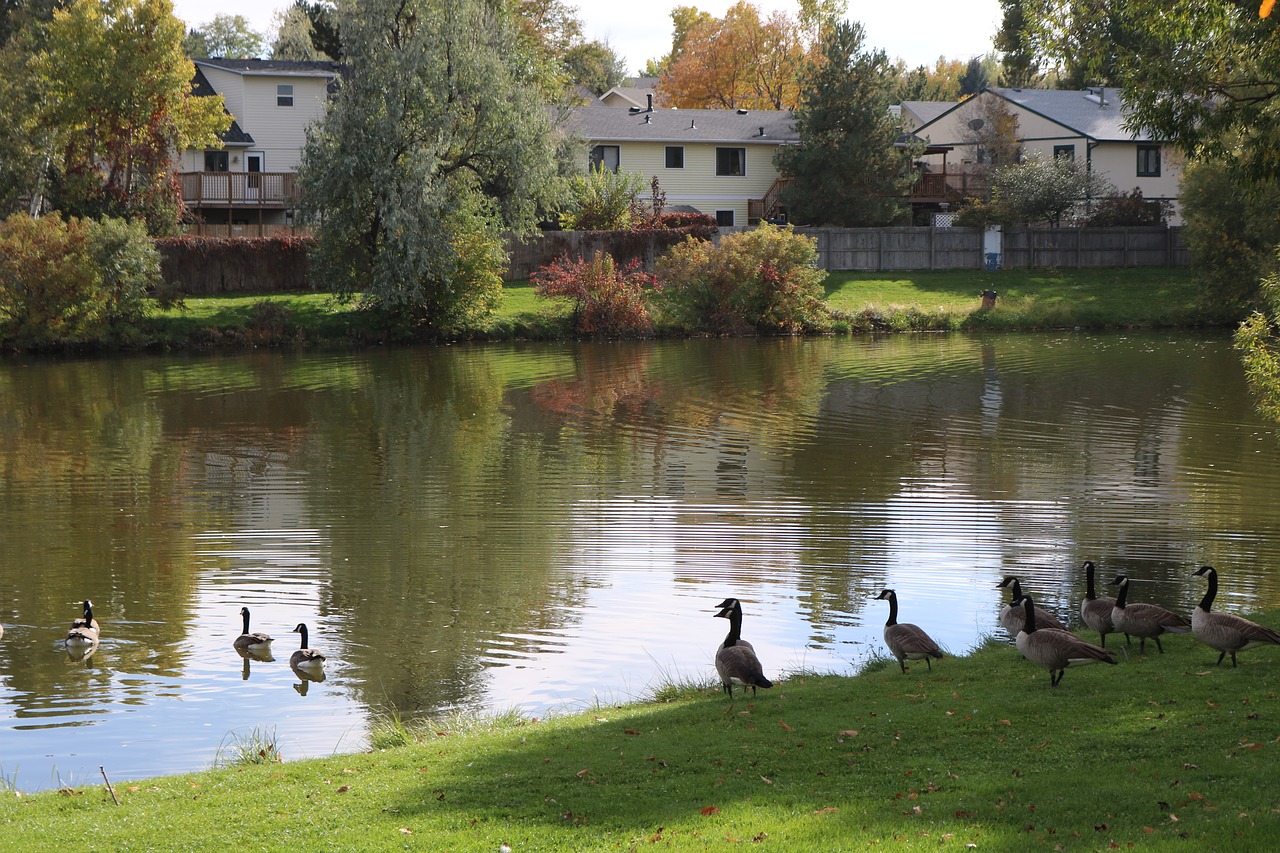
(1205,570)
(1121,580)
(729,603)
(885,595)
(1009,580)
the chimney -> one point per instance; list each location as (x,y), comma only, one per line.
(649,98)
(762,130)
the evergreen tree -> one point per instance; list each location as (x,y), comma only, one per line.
(846,169)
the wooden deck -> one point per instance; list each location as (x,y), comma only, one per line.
(275,190)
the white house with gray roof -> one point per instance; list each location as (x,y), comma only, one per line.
(248,182)
(718,162)
(1086,125)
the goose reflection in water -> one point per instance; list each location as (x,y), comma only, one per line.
(79,653)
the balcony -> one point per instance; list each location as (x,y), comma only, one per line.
(948,186)
(237,190)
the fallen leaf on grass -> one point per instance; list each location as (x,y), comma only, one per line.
(630,732)
(344,789)
(766,780)
(785,727)
(848,733)
(1005,722)
(710,810)
(404,830)
(584,772)
(827,810)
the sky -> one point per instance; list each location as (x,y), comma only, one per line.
(917,32)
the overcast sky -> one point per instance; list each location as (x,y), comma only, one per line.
(918,32)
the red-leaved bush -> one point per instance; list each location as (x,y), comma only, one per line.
(607,300)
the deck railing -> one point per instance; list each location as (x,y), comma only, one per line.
(240,189)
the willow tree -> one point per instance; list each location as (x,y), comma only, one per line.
(436,143)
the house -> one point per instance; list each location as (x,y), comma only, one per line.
(248,184)
(1085,125)
(632,93)
(718,162)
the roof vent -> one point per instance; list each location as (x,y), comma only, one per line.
(648,119)
(762,130)
(742,112)
(634,110)
(692,126)
(649,97)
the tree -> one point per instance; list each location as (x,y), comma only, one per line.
(1042,190)
(975,78)
(324,27)
(683,21)
(115,99)
(594,64)
(293,39)
(226,36)
(1019,58)
(434,145)
(736,62)
(846,169)
(991,127)
(922,83)
(1087,42)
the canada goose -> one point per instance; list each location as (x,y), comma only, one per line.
(247,641)
(305,657)
(1011,615)
(736,659)
(1226,632)
(906,641)
(1144,620)
(1096,612)
(84,631)
(1055,650)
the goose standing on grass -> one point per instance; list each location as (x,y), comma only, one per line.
(1055,650)
(305,658)
(1144,621)
(736,659)
(1226,632)
(255,642)
(1011,615)
(84,631)
(906,641)
(1095,611)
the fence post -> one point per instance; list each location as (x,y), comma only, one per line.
(879,249)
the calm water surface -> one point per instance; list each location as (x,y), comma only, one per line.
(548,526)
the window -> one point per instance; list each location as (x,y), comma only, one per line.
(731,162)
(1064,152)
(675,156)
(216,161)
(724,218)
(284,95)
(1148,161)
(606,157)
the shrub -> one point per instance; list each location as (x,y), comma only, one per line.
(70,281)
(1128,209)
(607,300)
(764,280)
(602,200)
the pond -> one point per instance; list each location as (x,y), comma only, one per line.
(546,527)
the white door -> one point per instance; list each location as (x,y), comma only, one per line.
(253,162)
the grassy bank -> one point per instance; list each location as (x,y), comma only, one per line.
(860,302)
(1159,752)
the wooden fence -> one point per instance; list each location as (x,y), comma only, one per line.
(908,248)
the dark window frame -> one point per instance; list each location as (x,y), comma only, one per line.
(677,150)
(1148,161)
(729,157)
(1067,152)
(725,218)
(217,160)
(598,157)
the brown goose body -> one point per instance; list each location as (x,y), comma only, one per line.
(1226,632)
(1011,616)
(84,631)
(1056,651)
(1095,611)
(906,641)
(736,660)
(1144,621)
(250,642)
(304,657)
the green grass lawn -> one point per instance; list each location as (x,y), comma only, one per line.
(860,302)
(1162,752)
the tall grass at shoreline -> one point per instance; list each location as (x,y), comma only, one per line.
(1160,752)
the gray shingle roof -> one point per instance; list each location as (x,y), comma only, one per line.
(741,127)
(927,111)
(278,67)
(1095,113)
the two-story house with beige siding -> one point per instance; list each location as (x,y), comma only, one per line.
(247,185)
(1086,125)
(718,162)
